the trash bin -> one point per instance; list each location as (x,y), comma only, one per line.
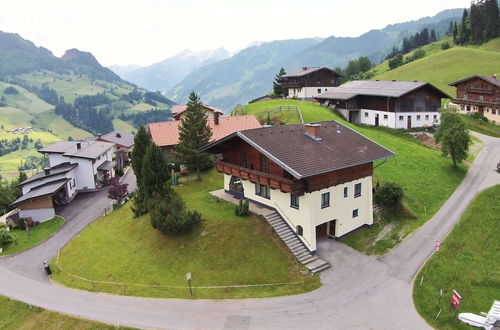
(47,267)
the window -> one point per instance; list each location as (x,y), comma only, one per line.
(262,191)
(435,116)
(326,89)
(355,213)
(494,111)
(300,231)
(357,190)
(325,200)
(386,116)
(294,201)
(264,164)
(418,117)
(461,107)
(481,97)
(73,181)
(426,117)
(346,192)
(401,117)
(243,159)
(366,114)
(319,90)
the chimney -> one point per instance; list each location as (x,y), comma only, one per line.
(494,76)
(312,130)
(216,118)
(47,170)
(118,134)
(78,145)
(304,68)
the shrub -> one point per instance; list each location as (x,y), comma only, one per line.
(242,209)
(119,171)
(5,236)
(118,191)
(479,116)
(445,45)
(389,194)
(170,217)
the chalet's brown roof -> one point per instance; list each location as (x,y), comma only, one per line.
(305,71)
(491,80)
(385,88)
(167,133)
(302,156)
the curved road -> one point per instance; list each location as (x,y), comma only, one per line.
(359,291)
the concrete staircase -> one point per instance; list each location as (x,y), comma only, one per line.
(314,263)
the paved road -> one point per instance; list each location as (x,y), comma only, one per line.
(84,209)
(359,291)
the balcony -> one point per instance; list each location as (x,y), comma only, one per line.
(480,90)
(274,182)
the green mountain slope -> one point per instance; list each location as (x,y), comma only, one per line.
(441,67)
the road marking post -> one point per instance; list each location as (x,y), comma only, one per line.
(188,278)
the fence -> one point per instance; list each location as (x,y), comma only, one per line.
(285,110)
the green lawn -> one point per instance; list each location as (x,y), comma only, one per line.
(468,262)
(18,315)
(25,100)
(24,240)
(11,118)
(480,126)
(224,250)
(428,179)
(60,126)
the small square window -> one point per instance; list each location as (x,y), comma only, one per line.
(435,117)
(366,114)
(494,111)
(401,117)
(319,90)
(426,117)
(262,191)
(386,116)
(418,117)
(325,200)
(294,201)
(481,97)
(357,190)
(346,192)
(355,213)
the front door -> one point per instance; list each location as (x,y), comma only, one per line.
(376,119)
(331,228)
(409,122)
(236,187)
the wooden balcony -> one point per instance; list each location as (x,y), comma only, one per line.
(480,90)
(274,182)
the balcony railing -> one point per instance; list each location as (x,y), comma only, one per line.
(272,181)
(480,90)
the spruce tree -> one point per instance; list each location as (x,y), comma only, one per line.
(141,143)
(155,173)
(277,89)
(194,133)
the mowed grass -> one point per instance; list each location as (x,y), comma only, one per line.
(60,127)
(225,250)
(446,66)
(428,179)
(467,262)
(480,126)
(18,315)
(122,125)
(24,240)
(11,118)
(24,100)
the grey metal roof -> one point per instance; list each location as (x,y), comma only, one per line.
(55,170)
(385,88)
(302,156)
(46,189)
(305,70)
(89,149)
(119,137)
(491,80)
(106,165)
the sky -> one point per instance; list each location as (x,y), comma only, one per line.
(147,31)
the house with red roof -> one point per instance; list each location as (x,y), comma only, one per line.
(179,110)
(166,134)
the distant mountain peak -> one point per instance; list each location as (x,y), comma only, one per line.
(74,55)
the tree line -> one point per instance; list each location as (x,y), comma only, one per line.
(479,24)
(149,116)
(7,146)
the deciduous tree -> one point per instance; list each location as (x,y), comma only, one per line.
(453,136)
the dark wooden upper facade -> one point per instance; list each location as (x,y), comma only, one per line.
(425,99)
(322,77)
(241,160)
(478,91)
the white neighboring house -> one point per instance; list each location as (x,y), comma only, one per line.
(73,167)
(394,104)
(318,177)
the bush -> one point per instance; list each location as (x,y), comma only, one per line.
(119,171)
(170,217)
(389,194)
(479,116)
(5,236)
(445,45)
(242,209)
(11,90)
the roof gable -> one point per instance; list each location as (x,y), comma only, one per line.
(490,80)
(307,70)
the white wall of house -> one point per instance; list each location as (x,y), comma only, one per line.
(306,92)
(39,215)
(56,159)
(493,115)
(399,119)
(310,212)
(84,173)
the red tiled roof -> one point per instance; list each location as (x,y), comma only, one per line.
(167,133)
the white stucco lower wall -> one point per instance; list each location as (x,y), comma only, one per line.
(39,215)
(399,119)
(310,214)
(306,92)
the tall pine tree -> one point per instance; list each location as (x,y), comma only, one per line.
(277,89)
(155,173)
(141,143)
(194,133)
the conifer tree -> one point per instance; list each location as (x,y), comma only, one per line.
(277,89)
(141,143)
(194,133)
(155,173)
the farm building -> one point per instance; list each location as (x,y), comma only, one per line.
(308,82)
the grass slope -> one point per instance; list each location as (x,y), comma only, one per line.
(427,178)
(60,126)
(24,240)
(467,262)
(480,126)
(121,125)
(11,118)
(25,100)
(18,315)
(441,67)
(224,250)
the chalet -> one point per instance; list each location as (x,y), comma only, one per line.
(318,177)
(479,93)
(124,143)
(178,111)
(308,82)
(394,104)
(73,167)
(166,134)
